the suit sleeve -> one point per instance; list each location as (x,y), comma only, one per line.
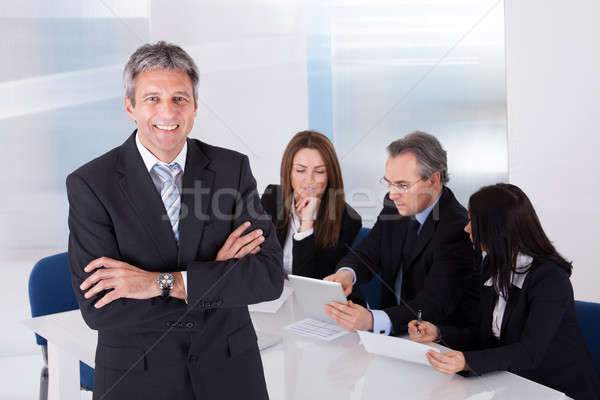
(91,235)
(445,285)
(548,299)
(248,280)
(365,259)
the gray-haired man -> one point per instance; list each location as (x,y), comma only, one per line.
(164,281)
(417,245)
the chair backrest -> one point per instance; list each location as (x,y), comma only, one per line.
(360,236)
(588,316)
(50,289)
(372,289)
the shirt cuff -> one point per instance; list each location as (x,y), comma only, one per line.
(303,235)
(353,273)
(381,322)
(184,279)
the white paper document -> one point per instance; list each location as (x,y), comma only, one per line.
(274,305)
(316,329)
(395,347)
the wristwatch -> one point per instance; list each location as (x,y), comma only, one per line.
(166,281)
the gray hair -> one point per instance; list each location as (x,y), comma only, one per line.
(160,55)
(430,154)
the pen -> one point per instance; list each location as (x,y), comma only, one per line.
(419,320)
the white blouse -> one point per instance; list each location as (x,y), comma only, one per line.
(293,234)
(523,263)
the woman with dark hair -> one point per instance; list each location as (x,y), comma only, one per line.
(527,322)
(314,224)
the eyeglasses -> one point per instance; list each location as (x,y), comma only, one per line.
(402,187)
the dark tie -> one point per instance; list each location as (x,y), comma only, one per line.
(407,249)
(411,239)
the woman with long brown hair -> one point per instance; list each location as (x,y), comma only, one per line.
(527,320)
(314,224)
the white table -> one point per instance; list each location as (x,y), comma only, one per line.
(299,368)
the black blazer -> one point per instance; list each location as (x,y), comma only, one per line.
(540,338)
(174,348)
(306,260)
(439,277)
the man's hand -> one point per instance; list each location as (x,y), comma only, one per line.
(449,363)
(238,246)
(426,332)
(351,317)
(126,281)
(344,277)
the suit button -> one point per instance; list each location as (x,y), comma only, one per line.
(189,325)
(192,358)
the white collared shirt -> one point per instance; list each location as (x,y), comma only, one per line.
(522,264)
(293,234)
(149,161)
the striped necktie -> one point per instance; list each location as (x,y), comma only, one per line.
(170,193)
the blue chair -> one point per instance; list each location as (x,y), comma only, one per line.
(371,289)
(588,316)
(50,292)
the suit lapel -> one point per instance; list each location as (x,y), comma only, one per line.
(423,239)
(139,190)
(195,199)
(399,230)
(429,227)
(511,303)
(488,302)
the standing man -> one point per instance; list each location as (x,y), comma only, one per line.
(418,246)
(159,261)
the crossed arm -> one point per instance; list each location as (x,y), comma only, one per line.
(123,280)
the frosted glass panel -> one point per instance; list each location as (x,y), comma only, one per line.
(61,105)
(436,66)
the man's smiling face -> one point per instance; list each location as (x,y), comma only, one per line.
(164,111)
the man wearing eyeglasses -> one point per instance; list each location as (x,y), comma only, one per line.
(417,248)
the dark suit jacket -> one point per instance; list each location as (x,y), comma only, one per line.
(171,348)
(438,278)
(306,259)
(540,338)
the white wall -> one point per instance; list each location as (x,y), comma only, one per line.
(252,61)
(553,83)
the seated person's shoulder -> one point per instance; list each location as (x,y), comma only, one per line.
(549,274)
(351,214)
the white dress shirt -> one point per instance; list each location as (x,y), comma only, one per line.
(293,234)
(149,161)
(522,264)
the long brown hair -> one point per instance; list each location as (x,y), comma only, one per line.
(328,224)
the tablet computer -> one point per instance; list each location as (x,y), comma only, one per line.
(312,295)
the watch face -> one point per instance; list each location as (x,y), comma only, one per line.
(166,280)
